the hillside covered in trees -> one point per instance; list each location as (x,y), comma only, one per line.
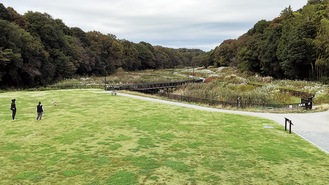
(294,45)
(37,50)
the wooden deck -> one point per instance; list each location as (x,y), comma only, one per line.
(151,87)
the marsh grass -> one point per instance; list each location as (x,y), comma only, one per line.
(92,137)
(226,84)
(223,84)
(123,77)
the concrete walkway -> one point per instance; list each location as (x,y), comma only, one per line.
(313,127)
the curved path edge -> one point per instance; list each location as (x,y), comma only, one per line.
(313,127)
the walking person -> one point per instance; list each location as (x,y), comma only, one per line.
(39,111)
(13,108)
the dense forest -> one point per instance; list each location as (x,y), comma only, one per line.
(295,45)
(37,50)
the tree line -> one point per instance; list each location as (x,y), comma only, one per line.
(38,50)
(295,45)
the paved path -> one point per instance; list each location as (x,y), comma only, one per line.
(313,127)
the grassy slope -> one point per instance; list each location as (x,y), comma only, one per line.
(91,137)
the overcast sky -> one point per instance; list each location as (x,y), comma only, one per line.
(202,24)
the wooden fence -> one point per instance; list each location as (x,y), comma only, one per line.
(237,104)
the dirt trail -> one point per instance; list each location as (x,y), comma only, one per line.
(313,127)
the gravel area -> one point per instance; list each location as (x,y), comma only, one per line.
(313,127)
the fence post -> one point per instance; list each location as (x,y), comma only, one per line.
(290,126)
(105,83)
(285,123)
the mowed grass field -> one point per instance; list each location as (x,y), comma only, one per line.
(93,137)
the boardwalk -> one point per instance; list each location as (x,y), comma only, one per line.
(156,86)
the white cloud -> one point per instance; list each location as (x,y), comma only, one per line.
(171,23)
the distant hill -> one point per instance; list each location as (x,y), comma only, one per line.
(294,45)
(38,50)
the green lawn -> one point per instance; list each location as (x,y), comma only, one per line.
(92,137)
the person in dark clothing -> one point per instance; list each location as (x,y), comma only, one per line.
(13,108)
(39,111)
